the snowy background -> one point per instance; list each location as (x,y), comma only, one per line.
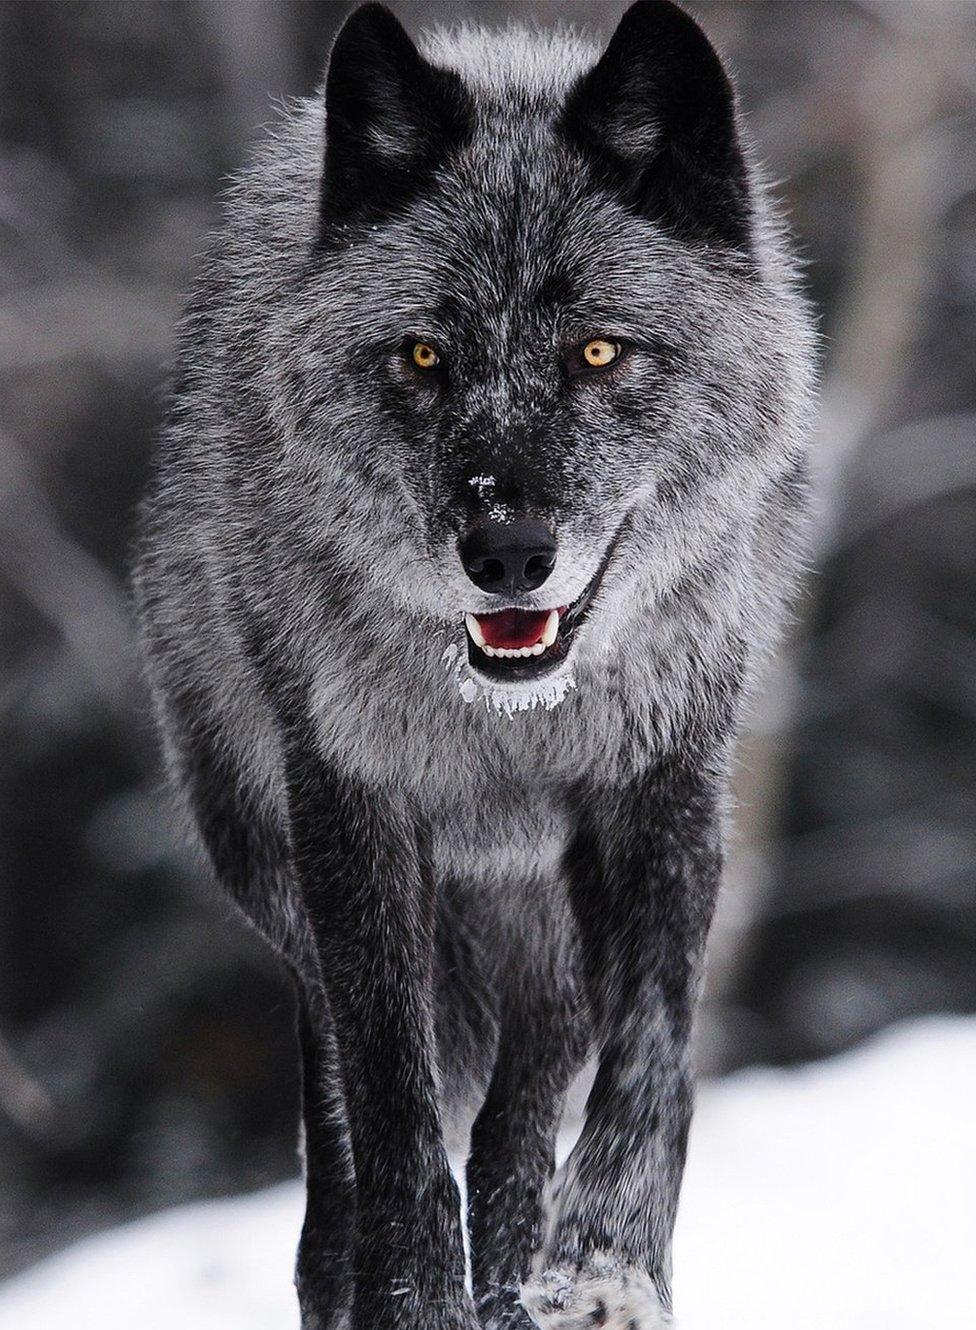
(147,1064)
(837,1195)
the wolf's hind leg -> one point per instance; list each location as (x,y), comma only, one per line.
(323,1275)
(541,1046)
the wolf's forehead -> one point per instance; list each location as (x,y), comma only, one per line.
(500,272)
(517,233)
(512,64)
(538,250)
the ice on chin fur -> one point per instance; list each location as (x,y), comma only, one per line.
(506,701)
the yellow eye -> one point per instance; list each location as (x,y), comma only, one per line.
(424,356)
(599,353)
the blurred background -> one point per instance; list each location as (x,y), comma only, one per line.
(146,1047)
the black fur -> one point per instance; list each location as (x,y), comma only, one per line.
(657,117)
(391,119)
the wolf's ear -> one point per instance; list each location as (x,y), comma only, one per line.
(657,116)
(390,118)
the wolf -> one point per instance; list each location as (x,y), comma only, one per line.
(480,497)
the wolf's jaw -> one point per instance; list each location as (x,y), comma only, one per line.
(541,695)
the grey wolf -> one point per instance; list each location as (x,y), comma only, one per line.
(480,495)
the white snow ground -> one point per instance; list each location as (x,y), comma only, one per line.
(841,1196)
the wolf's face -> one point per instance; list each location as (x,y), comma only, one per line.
(534,340)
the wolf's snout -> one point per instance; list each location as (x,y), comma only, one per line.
(504,558)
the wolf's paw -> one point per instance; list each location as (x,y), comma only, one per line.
(603,1293)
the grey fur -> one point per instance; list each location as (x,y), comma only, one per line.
(299,583)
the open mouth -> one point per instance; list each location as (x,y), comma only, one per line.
(517,646)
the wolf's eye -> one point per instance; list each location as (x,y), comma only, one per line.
(424,355)
(599,353)
(592,356)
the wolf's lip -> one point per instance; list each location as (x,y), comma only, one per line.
(544,640)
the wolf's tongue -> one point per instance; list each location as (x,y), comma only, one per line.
(513,628)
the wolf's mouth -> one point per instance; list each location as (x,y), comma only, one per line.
(516,645)
(521,646)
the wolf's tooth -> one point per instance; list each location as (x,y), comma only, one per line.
(474,628)
(549,634)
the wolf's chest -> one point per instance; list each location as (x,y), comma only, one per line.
(518,835)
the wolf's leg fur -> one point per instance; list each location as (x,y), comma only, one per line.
(369,901)
(644,873)
(248,852)
(323,1275)
(242,834)
(542,1043)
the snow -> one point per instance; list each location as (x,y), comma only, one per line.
(507,701)
(840,1196)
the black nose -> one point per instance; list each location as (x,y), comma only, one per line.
(508,557)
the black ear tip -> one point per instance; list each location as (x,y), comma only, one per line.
(659,18)
(372,42)
(371,13)
(657,10)
(671,33)
(372,25)
(648,7)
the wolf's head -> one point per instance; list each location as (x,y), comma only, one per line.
(545,349)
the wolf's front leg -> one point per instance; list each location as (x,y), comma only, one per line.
(644,873)
(322,1274)
(369,902)
(542,1043)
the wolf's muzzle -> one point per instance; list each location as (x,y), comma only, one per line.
(521,646)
